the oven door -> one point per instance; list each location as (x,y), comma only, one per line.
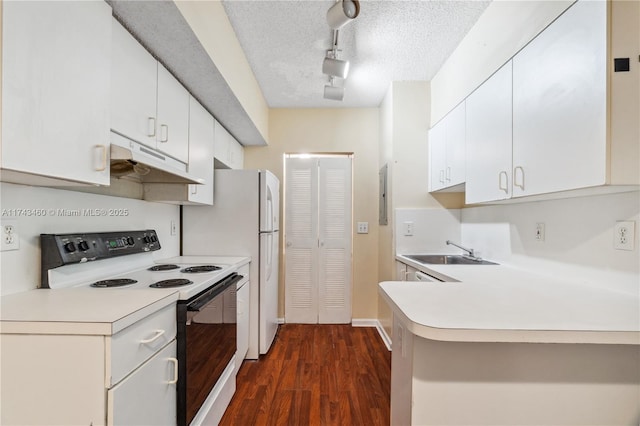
(206,343)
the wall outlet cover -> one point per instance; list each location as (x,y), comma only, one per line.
(10,238)
(624,233)
(539,232)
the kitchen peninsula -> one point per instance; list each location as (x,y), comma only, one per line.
(505,346)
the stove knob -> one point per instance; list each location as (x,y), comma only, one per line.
(130,241)
(146,239)
(70,247)
(154,238)
(82,245)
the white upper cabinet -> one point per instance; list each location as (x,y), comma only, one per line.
(148,104)
(488,165)
(173,116)
(201,142)
(134,74)
(560,104)
(447,151)
(55,91)
(228,151)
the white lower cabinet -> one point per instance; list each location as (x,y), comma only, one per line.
(148,395)
(128,378)
(405,272)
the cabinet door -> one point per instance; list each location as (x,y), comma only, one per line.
(401,271)
(134,74)
(55,89)
(488,148)
(437,152)
(221,144)
(559,104)
(173,116)
(147,396)
(243,323)
(236,154)
(455,146)
(201,130)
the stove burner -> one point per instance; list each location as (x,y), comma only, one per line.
(117,282)
(165,267)
(176,282)
(200,268)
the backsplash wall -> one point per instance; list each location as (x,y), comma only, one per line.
(61,211)
(578,241)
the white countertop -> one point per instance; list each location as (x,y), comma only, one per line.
(495,303)
(79,310)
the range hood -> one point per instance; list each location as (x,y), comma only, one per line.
(134,160)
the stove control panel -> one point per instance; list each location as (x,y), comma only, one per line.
(64,249)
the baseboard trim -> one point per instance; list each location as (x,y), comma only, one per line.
(280,320)
(365,322)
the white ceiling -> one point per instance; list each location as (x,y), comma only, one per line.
(286,41)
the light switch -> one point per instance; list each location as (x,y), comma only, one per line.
(363,227)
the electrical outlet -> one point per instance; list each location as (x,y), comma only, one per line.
(363,227)
(540,232)
(10,237)
(174,228)
(624,233)
(408,228)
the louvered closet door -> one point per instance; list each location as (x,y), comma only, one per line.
(301,234)
(318,240)
(334,232)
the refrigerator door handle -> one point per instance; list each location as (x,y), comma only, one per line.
(269,255)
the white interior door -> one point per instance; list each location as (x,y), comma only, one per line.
(318,240)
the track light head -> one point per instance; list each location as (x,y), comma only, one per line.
(335,67)
(333,93)
(342,12)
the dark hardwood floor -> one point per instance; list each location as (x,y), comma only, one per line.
(315,375)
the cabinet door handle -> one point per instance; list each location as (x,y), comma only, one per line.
(103,161)
(194,189)
(448,175)
(175,371)
(504,188)
(151,127)
(515,177)
(155,337)
(441,176)
(164,133)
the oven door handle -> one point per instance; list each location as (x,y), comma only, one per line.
(211,294)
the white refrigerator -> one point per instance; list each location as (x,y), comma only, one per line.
(244,221)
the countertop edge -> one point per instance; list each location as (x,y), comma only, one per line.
(509,336)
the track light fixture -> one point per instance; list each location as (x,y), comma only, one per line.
(333,66)
(343,12)
(332,92)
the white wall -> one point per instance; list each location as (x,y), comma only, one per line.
(431,229)
(503,29)
(578,236)
(20,269)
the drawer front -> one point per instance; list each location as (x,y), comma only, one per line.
(137,343)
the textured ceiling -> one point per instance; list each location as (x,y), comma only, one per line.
(286,41)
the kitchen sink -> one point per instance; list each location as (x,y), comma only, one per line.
(445,259)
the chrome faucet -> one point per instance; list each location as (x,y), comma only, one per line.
(470,251)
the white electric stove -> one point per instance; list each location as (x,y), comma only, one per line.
(206,309)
